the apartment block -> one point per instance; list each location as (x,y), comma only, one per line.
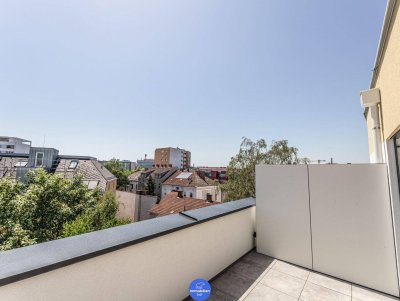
(172,157)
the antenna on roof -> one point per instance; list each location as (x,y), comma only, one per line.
(44,139)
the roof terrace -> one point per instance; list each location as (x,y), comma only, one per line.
(157,259)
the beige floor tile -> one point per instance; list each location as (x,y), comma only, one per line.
(264,293)
(364,294)
(313,292)
(329,282)
(291,270)
(284,283)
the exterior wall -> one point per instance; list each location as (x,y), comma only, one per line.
(134,206)
(127,207)
(49,159)
(143,271)
(111,186)
(389,78)
(176,157)
(144,204)
(340,216)
(187,158)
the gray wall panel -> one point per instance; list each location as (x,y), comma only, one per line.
(282,215)
(351,223)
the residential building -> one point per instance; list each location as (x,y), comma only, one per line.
(193,184)
(93,173)
(214,173)
(16,166)
(128,165)
(172,157)
(158,176)
(145,163)
(134,181)
(14,145)
(382,101)
(175,202)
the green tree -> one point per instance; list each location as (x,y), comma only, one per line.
(102,216)
(37,210)
(241,168)
(150,186)
(115,167)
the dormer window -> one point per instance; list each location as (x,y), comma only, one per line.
(39,159)
(73,164)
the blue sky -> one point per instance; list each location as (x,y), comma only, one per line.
(119,78)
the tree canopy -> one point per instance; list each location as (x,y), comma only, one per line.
(48,207)
(241,168)
(115,167)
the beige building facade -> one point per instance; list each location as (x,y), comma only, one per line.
(382,101)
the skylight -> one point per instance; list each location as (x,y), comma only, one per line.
(184,175)
(21,164)
(73,164)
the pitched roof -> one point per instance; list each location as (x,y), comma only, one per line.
(135,176)
(171,204)
(194,179)
(104,171)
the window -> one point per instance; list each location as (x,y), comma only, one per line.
(73,164)
(177,188)
(39,159)
(191,194)
(21,164)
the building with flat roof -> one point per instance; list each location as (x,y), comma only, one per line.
(172,157)
(14,145)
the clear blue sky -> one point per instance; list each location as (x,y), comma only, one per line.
(119,78)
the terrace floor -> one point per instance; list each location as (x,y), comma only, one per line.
(258,277)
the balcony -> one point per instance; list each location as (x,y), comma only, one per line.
(157,259)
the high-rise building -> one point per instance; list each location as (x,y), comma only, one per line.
(172,157)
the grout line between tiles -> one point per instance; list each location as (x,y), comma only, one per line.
(304,285)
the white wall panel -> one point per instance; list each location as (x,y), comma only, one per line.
(282,215)
(351,222)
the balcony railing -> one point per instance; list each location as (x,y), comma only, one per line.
(150,260)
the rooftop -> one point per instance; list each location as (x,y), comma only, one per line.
(172,203)
(189,179)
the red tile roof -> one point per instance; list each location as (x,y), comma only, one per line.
(196,179)
(171,204)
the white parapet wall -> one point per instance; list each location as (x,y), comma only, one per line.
(159,268)
(334,219)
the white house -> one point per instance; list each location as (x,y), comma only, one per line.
(192,184)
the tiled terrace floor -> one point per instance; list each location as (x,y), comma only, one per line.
(258,277)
